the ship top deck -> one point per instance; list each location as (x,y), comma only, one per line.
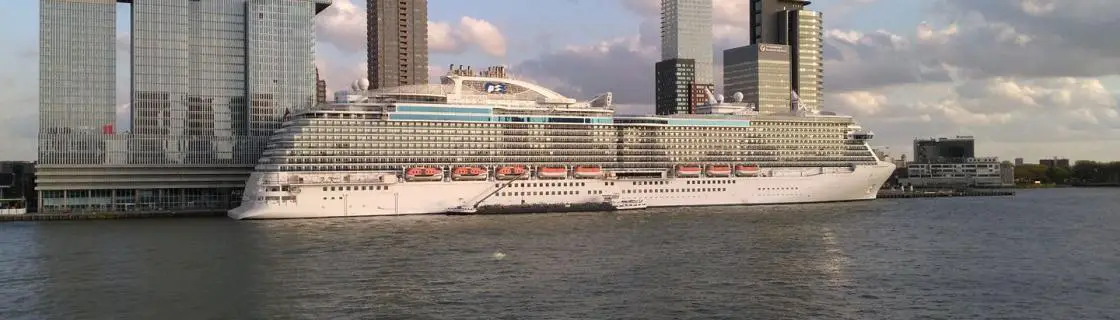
(493,91)
(463,87)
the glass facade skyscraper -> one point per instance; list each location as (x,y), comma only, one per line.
(77,80)
(787,22)
(805,33)
(281,73)
(762,73)
(686,33)
(210,80)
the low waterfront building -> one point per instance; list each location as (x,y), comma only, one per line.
(972,172)
(17,186)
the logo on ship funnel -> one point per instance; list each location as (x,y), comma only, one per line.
(498,88)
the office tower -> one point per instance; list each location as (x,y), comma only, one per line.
(808,57)
(674,79)
(686,44)
(787,22)
(397,42)
(762,73)
(686,33)
(77,81)
(210,81)
(320,88)
(769,19)
(944,150)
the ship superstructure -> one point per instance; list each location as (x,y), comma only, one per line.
(483,141)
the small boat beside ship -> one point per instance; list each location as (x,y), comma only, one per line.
(628,204)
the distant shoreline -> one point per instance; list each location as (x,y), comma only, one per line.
(1053,185)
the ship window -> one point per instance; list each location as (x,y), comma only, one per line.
(324,188)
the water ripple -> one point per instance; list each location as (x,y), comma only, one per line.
(1045,254)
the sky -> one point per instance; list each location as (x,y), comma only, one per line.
(1026,78)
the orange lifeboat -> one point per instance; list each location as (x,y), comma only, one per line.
(552,172)
(688,171)
(746,170)
(469,173)
(588,172)
(423,174)
(719,171)
(513,172)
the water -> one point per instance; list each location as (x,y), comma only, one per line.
(1043,254)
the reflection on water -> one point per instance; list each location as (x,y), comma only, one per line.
(1038,255)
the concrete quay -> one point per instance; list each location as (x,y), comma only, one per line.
(108,215)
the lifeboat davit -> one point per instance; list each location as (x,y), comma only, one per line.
(719,171)
(423,174)
(746,170)
(469,173)
(589,172)
(552,172)
(688,171)
(510,173)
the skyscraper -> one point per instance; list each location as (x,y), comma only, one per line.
(320,88)
(786,22)
(397,42)
(77,81)
(686,35)
(762,73)
(210,80)
(674,79)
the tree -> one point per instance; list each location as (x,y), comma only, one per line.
(1058,175)
(1029,173)
(1095,173)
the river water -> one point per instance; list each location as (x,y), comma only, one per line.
(1042,254)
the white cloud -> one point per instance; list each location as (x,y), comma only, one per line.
(1015,82)
(343,25)
(435,72)
(1037,7)
(1021,75)
(860,103)
(1000,111)
(340,75)
(441,38)
(483,34)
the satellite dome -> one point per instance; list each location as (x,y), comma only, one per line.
(737,97)
(719,98)
(363,84)
(354,85)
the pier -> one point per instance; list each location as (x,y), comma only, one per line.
(109,215)
(899,194)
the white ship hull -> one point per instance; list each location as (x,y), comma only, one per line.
(390,197)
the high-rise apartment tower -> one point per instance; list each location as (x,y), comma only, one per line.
(397,42)
(686,47)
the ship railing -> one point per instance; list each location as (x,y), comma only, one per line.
(332,179)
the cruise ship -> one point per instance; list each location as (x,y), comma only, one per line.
(485,142)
